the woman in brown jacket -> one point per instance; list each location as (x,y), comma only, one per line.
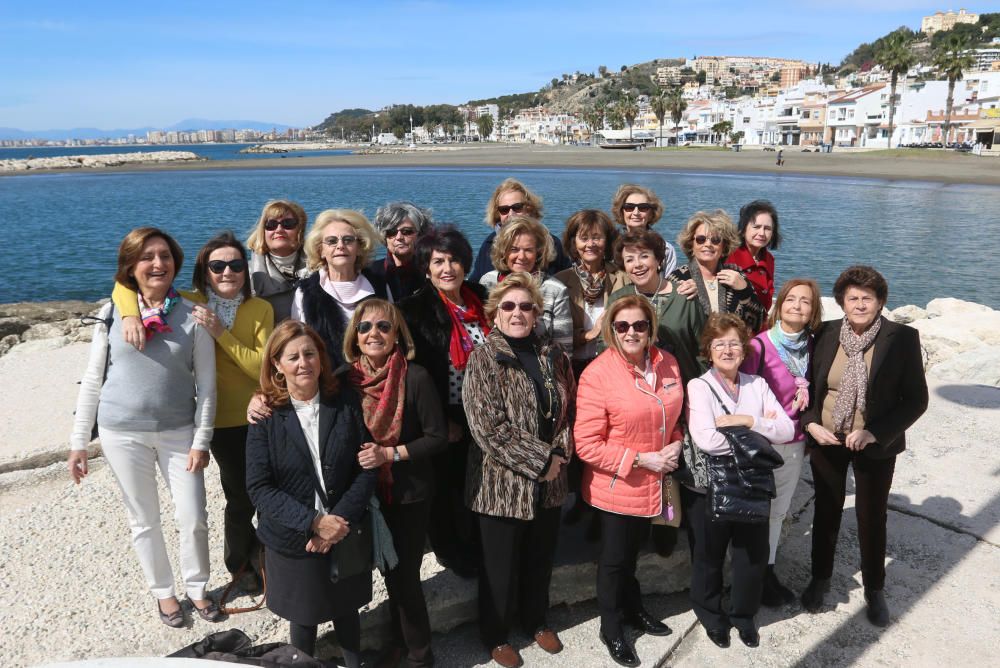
(518,397)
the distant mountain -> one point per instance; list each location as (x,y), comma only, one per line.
(97,133)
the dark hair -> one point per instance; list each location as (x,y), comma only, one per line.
(750,211)
(861,276)
(717,325)
(586,220)
(444,239)
(646,238)
(199,281)
(130,250)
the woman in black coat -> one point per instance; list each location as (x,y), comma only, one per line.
(312,437)
(447,320)
(867,386)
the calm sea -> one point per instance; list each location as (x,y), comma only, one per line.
(929,239)
(209,151)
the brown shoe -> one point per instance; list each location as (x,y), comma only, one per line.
(548,640)
(506,656)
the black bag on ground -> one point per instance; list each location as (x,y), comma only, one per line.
(235,646)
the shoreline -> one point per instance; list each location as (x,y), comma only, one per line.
(947,168)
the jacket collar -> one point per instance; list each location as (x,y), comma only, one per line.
(290,423)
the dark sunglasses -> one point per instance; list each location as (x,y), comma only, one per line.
(504,209)
(218,266)
(287,223)
(640,326)
(632,206)
(365,326)
(334,240)
(701,239)
(405,231)
(507,307)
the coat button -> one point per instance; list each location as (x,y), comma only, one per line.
(661,430)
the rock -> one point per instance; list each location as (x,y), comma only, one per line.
(12,327)
(831,311)
(95,161)
(8,342)
(36,321)
(907,314)
(980,366)
(942,339)
(945,306)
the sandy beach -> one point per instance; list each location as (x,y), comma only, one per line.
(944,167)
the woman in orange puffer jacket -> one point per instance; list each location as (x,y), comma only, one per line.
(627,407)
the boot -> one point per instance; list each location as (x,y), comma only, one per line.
(812,597)
(878,610)
(775,594)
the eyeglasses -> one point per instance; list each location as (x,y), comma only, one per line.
(287,223)
(405,231)
(365,326)
(517,207)
(644,207)
(348,240)
(725,345)
(640,326)
(218,266)
(508,307)
(701,239)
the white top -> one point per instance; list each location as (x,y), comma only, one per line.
(755,399)
(591,312)
(347,294)
(308,414)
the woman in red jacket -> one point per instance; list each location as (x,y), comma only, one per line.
(758,229)
(627,436)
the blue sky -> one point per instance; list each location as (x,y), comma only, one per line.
(118,65)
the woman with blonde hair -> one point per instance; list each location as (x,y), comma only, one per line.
(637,208)
(277,259)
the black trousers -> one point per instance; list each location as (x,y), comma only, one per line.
(411,626)
(516,572)
(453,530)
(617,587)
(348,630)
(229,449)
(710,540)
(872,480)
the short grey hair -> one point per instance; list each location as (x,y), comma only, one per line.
(392,215)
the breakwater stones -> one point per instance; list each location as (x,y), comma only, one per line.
(51,324)
(96,161)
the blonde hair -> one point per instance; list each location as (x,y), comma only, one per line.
(619,305)
(716,222)
(276,208)
(618,201)
(519,280)
(367,237)
(351,349)
(533,201)
(522,225)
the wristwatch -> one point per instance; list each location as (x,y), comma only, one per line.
(395,455)
(635,462)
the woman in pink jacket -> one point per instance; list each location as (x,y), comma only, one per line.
(628,403)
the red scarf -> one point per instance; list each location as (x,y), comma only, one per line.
(383,393)
(461,342)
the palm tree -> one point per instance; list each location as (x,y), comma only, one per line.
(660,108)
(723,128)
(676,104)
(594,118)
(950,59)
(629,109)
(895,56)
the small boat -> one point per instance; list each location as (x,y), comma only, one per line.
(631,145)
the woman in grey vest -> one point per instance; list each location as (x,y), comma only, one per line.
(278,261)
(155,407)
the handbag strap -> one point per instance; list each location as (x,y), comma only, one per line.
(716,396)
(319,490)
(760,363)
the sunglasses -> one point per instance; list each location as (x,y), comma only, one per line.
(504,209)
(629,207)
(365,326)
(218,266)
(405,231)
(287,223)
(348,240)
(640,326)
(701,239)
(525,307)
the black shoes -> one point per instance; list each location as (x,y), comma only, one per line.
(750,637)
(620,651)
(775,594)
(878,611)
(462,567)
(645,622)
(719,636)
(812,597)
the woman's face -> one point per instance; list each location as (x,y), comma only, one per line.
(299,362)
(641,213)
(641,266)
(446,271)
(633,343)
(280,240)
(511,203)
(708,252)
(727,351)
(590,245)
(797,309)
(155,270)
(516,314)
(228,283)
(759,231)
(523,253)
(340,248)
(401,241)
(376,336)
(861,307)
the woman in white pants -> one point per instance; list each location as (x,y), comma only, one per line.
(780,355)
(155,407)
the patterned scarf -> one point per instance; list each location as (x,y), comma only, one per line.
(461,342)
(593,284)
(383,394)
(224,308)
(854,384)
(793,349)
(154,318)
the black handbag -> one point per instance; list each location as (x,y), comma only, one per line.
(354,554)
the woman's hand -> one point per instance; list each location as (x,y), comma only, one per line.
(197,460)
(554,468)
(688,288)
(733,279)
(673,453)
(258,409)
(332,528)
(859,439)
(317,544)
(77,464)
(133,332)
(206,317)
(595,331)
(734,421)
(373,455)
(821,434)
(454,432)
(657,462)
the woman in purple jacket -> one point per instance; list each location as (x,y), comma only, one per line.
(780,355)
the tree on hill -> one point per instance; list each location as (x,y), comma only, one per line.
(629,109)
(485,125)
(951,58)
(602,70)
(594,118)
(723,128)
(613,116)
(865,52)
(701,77)
(896,57)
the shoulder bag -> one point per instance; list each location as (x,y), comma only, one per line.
(354,554)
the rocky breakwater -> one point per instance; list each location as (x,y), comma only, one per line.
(45,325)
(96,161)
(288,148)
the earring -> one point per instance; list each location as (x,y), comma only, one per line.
(280,377)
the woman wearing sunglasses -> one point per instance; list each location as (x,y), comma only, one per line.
(400,224)
(637,208)
(278,262)
(402,411)
(707,239)
(518,396)
(627,435)
(240,325)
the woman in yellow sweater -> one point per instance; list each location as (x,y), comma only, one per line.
(240,325)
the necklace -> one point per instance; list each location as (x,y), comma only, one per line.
(549,386)
(654,299)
